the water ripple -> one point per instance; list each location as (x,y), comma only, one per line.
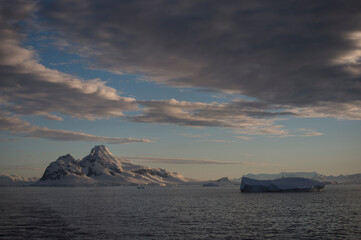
(178,213)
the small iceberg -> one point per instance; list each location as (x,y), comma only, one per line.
(293,184)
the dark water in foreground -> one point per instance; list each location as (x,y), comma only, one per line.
(178,213)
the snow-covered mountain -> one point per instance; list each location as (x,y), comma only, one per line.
(101,167)
(224,181)
(346,179)
(343,179)
(14,180)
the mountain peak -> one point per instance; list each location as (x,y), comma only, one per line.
(101,153)
(98,159)
(99,149)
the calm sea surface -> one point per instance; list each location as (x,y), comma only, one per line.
(186,212)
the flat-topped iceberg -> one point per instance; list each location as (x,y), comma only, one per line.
(293,184)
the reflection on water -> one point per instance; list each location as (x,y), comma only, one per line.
(178,213)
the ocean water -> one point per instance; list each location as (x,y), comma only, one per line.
(183,212)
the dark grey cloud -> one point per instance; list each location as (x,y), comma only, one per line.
(294,59)
(238,114)
(245,117)
(28,87)
(293,53)
(18,127)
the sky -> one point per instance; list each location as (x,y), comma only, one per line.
(205,88)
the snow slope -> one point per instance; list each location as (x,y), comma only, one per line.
(224,181)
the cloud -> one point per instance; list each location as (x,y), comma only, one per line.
(218,141)
(309,132)
(284,53)
(237,114)
(190,135)
(200,161)
(348,111)
(291,60)
(246,117)
(63,135)
(244,137)
(181,160)
(275,131)
(30,88)
(18,127)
